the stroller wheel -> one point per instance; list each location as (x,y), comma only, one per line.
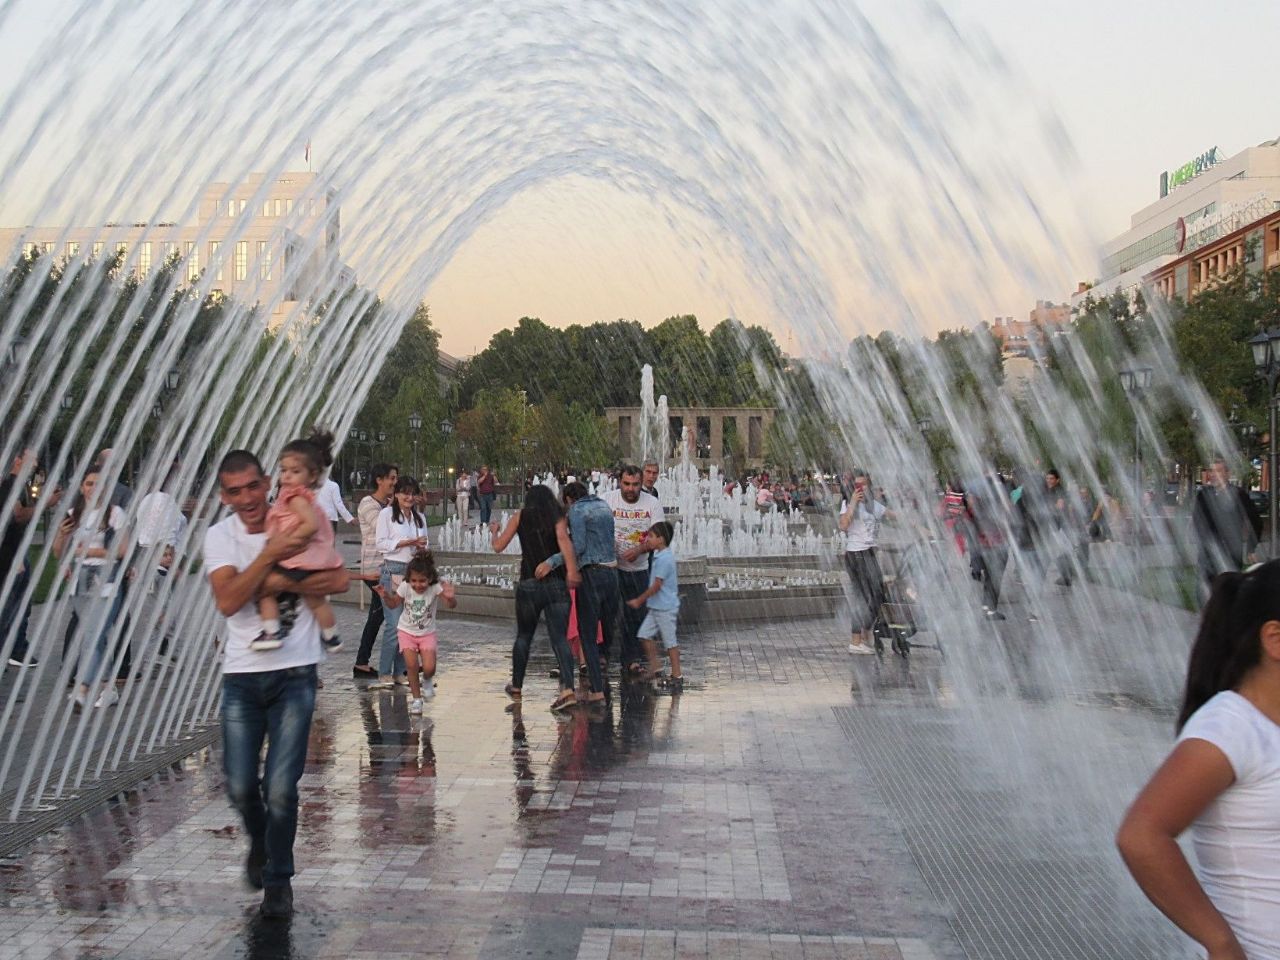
(901,647)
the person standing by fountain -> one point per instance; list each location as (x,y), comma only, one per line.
(543,531)
(268,691)
(385,476)
(634,514)
(16,614)
(649,478)
(462,497)
(93,530)
(1222,780)
(486,483)
(1225,523)
(860,518)
(591,530)
(401,532)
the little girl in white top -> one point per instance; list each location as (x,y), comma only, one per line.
(401,532)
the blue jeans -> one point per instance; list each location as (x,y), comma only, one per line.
(97,615)
(597,607)
(275,705)
(533,598)
(631,583)
(486,508)
(390,659)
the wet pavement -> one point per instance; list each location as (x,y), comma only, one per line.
(792,802)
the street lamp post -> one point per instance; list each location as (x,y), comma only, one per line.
(1266,363)
(415,427)
(1135,382)
(446,428)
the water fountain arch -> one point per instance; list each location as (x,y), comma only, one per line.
(787,140)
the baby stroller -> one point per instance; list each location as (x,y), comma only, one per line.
(901,615)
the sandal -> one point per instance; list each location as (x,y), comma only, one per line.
(512,691)
(566,700)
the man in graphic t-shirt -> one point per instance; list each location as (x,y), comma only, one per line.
(634,512)
(263,690)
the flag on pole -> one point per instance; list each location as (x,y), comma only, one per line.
(306,154)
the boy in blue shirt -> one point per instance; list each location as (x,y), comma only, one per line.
(662,601)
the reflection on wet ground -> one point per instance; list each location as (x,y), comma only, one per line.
(793,802)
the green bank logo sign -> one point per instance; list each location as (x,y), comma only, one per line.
(1189,171)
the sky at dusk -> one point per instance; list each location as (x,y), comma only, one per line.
(1139,88)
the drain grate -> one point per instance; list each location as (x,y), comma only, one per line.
(1017,888)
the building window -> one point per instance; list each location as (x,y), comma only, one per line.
(264,260)
(144,258)
(244,204)
(217,208)
(624,435)
(242,260)
(29,250)
(288,205)
(193,262)
(97,249)
(279,207)
(266,208)
(47,246)
(755,437)
(702,430)
(73,248)
(214,260)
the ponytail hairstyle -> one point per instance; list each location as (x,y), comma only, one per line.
(407,485)
(1228,644)
(423,562)
(316,449)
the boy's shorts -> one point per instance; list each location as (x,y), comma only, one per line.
(660,623)
(422,643)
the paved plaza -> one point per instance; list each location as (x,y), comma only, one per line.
(792,802)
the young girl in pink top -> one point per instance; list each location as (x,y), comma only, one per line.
(303,464)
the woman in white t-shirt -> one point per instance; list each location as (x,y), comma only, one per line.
(860,518)
(94,532)
(1222,780)
(401,531)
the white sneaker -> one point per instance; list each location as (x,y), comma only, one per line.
(79,698)
(266,641)
(415,706)
(429,690)
(860,648)
(108,698)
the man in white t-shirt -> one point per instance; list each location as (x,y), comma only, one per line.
(329,499)
(261,691)
(634,512)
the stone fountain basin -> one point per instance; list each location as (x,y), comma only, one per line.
(698,604)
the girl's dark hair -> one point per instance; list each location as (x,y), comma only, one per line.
(78,504)
(1228,644)
(665,530)
(316,449)
(407,485)
(423,562)
(575,491)
(540,509)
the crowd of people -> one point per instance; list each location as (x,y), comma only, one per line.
(598,569)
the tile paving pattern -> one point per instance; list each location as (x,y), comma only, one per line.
(789,804)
